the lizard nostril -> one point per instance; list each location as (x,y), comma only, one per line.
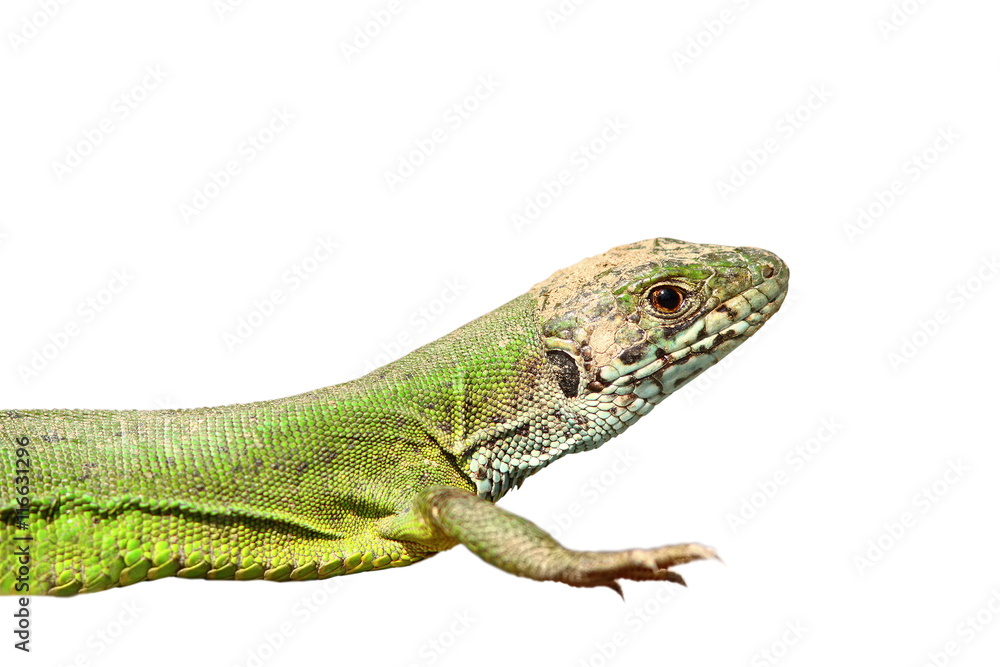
(768,271)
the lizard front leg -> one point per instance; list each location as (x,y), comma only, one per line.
(443,516)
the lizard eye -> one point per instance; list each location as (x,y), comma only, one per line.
(666,299)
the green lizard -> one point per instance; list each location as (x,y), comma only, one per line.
(393,467)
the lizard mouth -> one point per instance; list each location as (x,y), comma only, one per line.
(621,393)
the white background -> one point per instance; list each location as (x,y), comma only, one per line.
(822,570)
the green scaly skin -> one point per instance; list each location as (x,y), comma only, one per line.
(393,467)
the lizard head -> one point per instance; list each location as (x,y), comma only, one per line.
(621,332)
(625,329)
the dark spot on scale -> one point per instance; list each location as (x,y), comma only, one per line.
(302,467)
(595,386)
(522,429)
(603,307)
(632,354)
(660,352)
(446,427)
(680,381)
(481,473)
(257,463)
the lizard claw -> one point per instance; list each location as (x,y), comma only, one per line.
(670,575)
(616,587)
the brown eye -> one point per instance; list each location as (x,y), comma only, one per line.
(666,299)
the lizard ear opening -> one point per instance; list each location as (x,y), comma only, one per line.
(566,371)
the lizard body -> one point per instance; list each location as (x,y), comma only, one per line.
(392,467)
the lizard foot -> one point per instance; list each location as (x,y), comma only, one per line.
(605,568)
(516,545)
